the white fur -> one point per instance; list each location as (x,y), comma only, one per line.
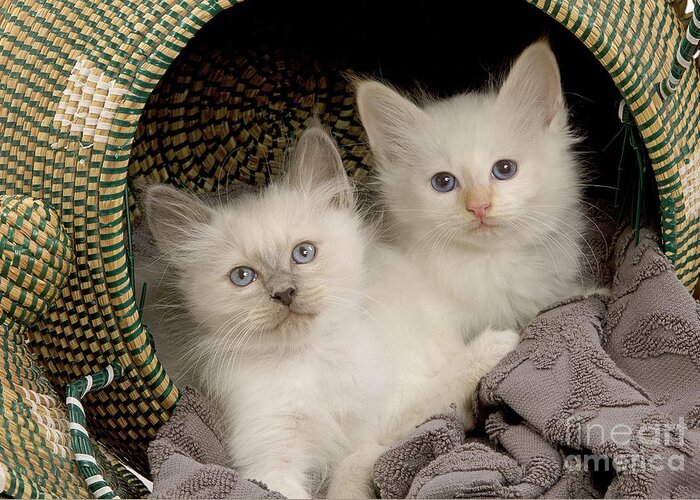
(325,397)
(296,393)
(442,284)
(498,276)
(297,397)
(434,367)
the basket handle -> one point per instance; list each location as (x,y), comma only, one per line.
(80,439)
(684,55)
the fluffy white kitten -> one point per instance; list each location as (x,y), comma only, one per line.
(321,380)
(483,192)
(434,367)
(276,281)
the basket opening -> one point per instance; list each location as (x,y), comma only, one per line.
(246,84)
(234,99)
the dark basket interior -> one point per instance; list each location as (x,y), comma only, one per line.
(249,81)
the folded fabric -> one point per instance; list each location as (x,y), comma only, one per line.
(601,398)
(188,458)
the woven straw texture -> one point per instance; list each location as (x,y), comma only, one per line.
(223,115)
(36,459)
(75,79)
(34,446)
(637,64)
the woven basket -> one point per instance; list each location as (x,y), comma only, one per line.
(83,117)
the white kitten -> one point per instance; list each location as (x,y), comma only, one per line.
(302,395)
(434,367)
(276,280)
(483,192)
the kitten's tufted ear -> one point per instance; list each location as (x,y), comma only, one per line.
(316,162)
(533,88)
(173,216)
(386,116)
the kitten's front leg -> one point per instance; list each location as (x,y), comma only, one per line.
(273,451)
(480,357)
(290,482)
(603,291)
(352,477)
(457,381)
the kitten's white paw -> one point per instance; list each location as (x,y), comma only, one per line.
(486,351)
(477,359)
(494,345)
(295,492)
(289,488)
(350,488)
(353,476)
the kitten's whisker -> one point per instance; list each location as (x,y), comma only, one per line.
(356,293)
(387,228)
(353,307)
(529,235)
(443,240)
(435,229)
(590,248)
(580,213)
(559,244)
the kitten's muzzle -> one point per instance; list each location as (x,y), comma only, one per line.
(285,296)
(479,209)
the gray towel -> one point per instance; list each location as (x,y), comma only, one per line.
(188,458)
(601,398)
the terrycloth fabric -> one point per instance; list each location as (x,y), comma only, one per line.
(188,458)
(601,398)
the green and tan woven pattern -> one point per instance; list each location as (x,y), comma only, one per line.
(37,257)
(85,453)
(76,77)
(223,114)
(637,43)
(35,455)
(684,55)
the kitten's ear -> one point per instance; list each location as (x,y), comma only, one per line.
(316,161)
(533,87)
(173,216)
(386,116)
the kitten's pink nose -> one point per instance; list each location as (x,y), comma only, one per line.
(479,208)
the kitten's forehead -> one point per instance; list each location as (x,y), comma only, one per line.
(471,130)
(266,227)
(469,118)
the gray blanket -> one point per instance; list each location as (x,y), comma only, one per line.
(601,398)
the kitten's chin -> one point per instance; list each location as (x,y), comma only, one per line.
(475,235)
(295,322)
(295,316)
(485,227)
(480,230)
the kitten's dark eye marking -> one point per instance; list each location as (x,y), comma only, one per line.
(304,252)
(443,182)
(242,276)
(504,169)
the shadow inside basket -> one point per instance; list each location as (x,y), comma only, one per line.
(245,86)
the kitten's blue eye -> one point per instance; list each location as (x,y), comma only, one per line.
(504,169)
(304,253)
(443,182)
(242,276)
